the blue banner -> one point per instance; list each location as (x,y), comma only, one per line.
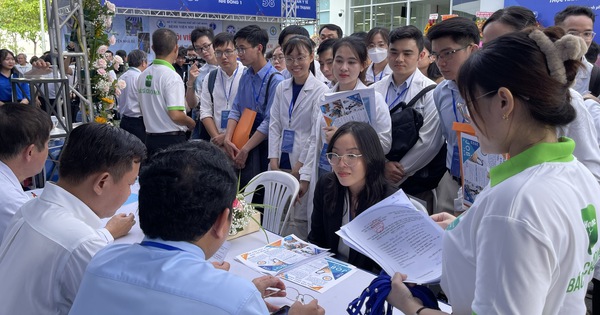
(272,8)
(546,9)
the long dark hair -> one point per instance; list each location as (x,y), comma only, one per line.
(374,159)
(358,46)
(3,54)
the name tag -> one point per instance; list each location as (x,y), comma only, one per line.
(323,163)
(224,118)
(287,144)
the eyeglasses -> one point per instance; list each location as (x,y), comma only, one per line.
(349,159)
(585,34)
(242,50)
(204,48)
(291,60)
(447,55)
(279,58)
(226,53)
(302,298)
(463,108)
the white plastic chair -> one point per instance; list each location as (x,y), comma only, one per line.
(280,192)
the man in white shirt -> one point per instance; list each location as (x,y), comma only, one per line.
(24,134)
(129,106)
(406,81)
(51,239)
(216,100)
(162,96)
(579,21)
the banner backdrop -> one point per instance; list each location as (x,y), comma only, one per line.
(305,8)
(546,9)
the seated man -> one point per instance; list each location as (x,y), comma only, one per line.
(24,134)
(185,200)
(51,239)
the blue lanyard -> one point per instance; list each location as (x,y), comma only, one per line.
(454,107)
(256,96)
(230,85)
(159,245)
(380,74)
(398,96)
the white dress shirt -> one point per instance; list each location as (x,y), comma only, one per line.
(430,135)
(12,196)
(46,249)
(224,92)
(128,100)
(583,77)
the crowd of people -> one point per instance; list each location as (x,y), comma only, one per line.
(527,245)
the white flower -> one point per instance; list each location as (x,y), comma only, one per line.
(121,84)
(102,50)
(110,6)
(107,21)
(118,59)
(112,40)
(100,64)
(101,71)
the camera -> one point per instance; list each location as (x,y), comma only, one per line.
(195,60)
(340,13)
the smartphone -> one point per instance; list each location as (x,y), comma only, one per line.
(282,311)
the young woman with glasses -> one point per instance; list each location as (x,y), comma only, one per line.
(278,59)
(356,183)
(291,122)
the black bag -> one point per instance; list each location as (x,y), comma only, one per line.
(405,126)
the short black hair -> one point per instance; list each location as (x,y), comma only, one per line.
(136,57)
(21,126)
(164,41)
(93,148)
(462,31)
(571,10)
(360,34)
(184,189)
(254,35)
(121,53)
(202,31)
(296,42)
(326,45)
(384,32)
(223,39)
(410,32)
(593,52)
(332,27)
(291,30)
(515,16)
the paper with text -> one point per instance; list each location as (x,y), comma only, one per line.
(341,107)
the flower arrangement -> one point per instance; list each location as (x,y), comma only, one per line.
(244,212)
(105,86)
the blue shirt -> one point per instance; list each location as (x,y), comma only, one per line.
(135,279)
(252,93)
(446,98)
(6,89)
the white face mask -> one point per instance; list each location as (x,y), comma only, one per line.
(377,54)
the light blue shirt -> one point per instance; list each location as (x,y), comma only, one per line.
(396,94)
(135,279)
(252,93)
(446,98)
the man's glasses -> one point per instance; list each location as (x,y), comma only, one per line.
(278,58)
(204,48)
(242,50)
(463,108)
(291,60)
(226,53)
(447,55)
(295,295)
(349,159)
(585,34)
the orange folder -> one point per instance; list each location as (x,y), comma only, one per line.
(241,134)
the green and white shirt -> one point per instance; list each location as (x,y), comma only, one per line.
(160,89)
(528,243)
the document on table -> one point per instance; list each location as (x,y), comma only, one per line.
(399,238)
(320,274)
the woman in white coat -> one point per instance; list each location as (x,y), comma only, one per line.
(350,61)
(291,120)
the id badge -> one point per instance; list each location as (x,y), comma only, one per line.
(323,163)
(287,145)
(455,167)
(224,118)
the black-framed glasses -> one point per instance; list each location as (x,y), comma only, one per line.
(349,159)
(226,53)
(584,34)
(447,55)
(463,108)
(204,48)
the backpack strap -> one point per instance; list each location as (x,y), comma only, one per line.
(212,77)
(414,99)
(595,81)
(268,84)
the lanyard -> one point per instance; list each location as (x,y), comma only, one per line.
(454,107)
(230,85)
(256,96)
(380,74)
(159,245)
(398,95)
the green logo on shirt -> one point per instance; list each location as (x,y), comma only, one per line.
(148,80)
(591,225)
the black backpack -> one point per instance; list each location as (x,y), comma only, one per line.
(405,126)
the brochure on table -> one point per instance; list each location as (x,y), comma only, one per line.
(341,107)
(297,261)
(399,238)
